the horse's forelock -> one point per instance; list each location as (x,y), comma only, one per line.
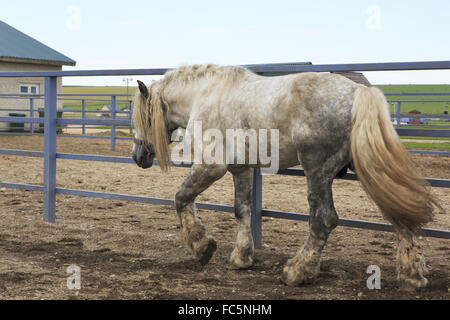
(141,119)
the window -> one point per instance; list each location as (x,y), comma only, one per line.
(29,89)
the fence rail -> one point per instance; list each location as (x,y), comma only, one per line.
(50,155)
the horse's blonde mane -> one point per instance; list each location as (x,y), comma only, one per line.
(148,114)
(187,74)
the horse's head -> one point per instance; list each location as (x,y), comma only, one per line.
(143,152)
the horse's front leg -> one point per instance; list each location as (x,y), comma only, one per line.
(241,257)
(194,233)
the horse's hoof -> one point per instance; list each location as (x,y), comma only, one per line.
(411,285)
(206,250)
(296,279)
(237,261)
(297,272)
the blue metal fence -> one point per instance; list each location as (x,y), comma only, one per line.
(50,155)
(113,100)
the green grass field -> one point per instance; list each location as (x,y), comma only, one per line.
(429,145)
(424,107)
(426,138)
(96,105)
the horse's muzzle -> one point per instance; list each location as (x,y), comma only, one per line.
(143,155)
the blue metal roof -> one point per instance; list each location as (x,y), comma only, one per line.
(16,44)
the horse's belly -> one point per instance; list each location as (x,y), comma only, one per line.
(288,157)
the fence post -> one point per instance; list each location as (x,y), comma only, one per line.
(256,218)
(83,116)
(32,114)
(113,127)
(398,113)
(50,149)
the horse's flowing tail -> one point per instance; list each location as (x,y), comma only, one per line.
(383,165)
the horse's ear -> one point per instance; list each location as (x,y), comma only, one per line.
(143,89)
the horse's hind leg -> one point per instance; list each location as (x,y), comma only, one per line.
(241,257)
(194,233)
(411,265)
(304,267)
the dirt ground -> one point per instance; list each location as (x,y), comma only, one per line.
(134,251)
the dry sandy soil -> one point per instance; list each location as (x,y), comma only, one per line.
(134,251)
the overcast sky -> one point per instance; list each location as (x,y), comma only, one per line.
(164,33)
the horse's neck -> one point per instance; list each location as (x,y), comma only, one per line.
(178,118)
(181,101)
(185,96)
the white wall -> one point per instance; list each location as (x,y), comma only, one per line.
(12,85)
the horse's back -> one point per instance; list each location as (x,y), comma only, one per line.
(306,104)
(321,92)
(295,95)
(321,105)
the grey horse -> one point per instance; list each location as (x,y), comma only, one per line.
(325,122)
